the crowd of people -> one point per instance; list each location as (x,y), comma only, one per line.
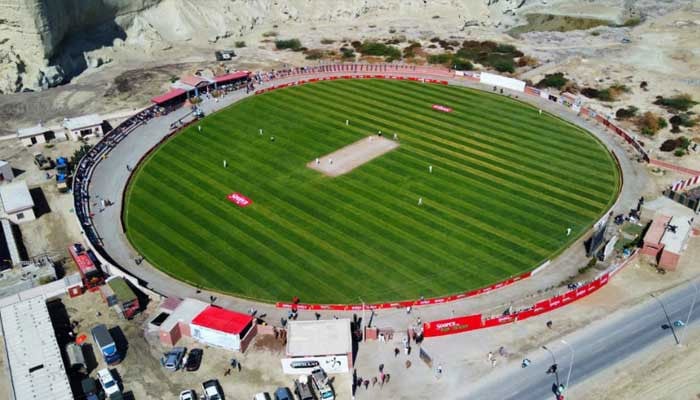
(111,139)
(83,171)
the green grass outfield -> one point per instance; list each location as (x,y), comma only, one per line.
(505,186)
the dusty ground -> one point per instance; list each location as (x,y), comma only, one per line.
(352,156)
(141,372)
(55,227)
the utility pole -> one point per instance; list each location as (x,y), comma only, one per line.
(554,362)
(571,364)
(668,319)
(687,320)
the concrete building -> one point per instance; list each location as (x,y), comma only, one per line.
(35,134)
(83,127)
(324,343)
(12,251)
(6,174)
(35,364)
(223,328)
(666,240)
(177,324)
(17,203)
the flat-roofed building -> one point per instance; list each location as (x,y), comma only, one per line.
(17,202)
(320,343)
(83,127)
(35,134)
(34,358)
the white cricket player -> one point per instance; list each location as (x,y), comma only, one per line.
(260,131)
(540,111)
(225,164)
(396,137)
(430,169)
(420,201)
(347,122)
(568,231)
(199,128)
(317,161)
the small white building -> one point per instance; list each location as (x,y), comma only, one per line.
(6,174)
(35,365)
(320,343)
(17,203)
(35,134)
(83,127)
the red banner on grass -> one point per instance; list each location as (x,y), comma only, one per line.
(442,108)
(239,200)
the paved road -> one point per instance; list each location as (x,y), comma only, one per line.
(597,347)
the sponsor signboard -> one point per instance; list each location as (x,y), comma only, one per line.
(239,199)
(304,365)
(452,325)
(215,338)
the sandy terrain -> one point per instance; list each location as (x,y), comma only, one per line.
(352,156)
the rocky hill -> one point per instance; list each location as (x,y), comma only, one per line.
(44,43)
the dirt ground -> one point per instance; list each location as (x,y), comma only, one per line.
(352,156)
(142,375)
(55,227)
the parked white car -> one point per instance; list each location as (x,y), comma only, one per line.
(188,395)
(109,384)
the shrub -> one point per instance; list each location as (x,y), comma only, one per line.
(410,50)
(327,41)
(240,44)
(626,113)
(392,30)
(314,54)
(649,123)
(356,44)
(555,80)
(347,52)
(679,153)
(462,64)
(443,58)
(681,102)
(270,34)
(644,85)
(527,61)
(504,65)
(595,33)
(372,48)
(291,44)
(590,93)
(669,145)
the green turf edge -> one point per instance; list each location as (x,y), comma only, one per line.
(139,168)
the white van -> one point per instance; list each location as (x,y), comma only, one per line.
(262,396)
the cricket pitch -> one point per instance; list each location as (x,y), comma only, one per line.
(352,156)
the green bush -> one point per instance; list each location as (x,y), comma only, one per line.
(555,80)
(679,153)
(625,113)
(291,44)
(462,64)
(347,52)
(372,48)
(681,102)
(240,44)
(327,41)
(443,58)
(504,65)
(270,34)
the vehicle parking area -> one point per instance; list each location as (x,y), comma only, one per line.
(141,375)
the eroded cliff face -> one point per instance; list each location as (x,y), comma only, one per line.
(44,42)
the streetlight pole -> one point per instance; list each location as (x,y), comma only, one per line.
(695,295)
(554,361)
(571,364)
(668,319)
